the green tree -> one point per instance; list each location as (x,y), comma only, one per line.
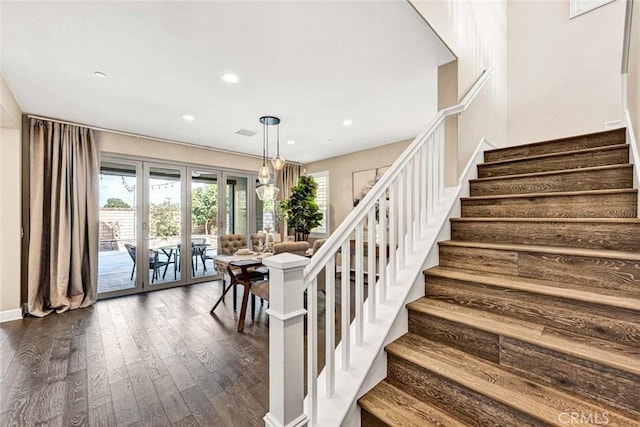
(204,206)
(164,219)
(115,202)
(301,210)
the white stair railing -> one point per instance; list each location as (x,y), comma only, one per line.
(404,200)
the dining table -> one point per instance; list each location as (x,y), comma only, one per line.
(247,265)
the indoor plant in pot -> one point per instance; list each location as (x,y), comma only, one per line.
(301,211)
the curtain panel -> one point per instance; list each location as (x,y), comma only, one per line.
(288,178)
(64,217)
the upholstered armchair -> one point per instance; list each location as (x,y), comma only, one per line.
(230,243)
(255,241)
(298,248)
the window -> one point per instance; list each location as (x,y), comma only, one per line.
(578,7)
(322,199)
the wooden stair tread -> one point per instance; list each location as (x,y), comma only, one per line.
(551,194)
(554,172)
(536,400)
(397,408)
(544,287)
(533,219)
(612,133)
(585,252)
(609,354)
(558,154)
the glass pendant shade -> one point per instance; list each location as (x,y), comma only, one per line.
(267,192)
(263,174)
(278,162)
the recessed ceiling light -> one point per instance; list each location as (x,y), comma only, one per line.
(291,142)
(188,117)
(100,74)
(347,122)
(230,78)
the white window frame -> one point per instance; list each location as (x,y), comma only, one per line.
(325,213)
(580,7)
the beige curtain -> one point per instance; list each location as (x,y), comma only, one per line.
(288,177)
(63,243)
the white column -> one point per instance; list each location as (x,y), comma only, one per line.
(286,341)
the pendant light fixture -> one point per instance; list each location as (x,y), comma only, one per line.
(268,190)
(278,161)
(263,173)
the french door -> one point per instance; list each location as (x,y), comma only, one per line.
(160,222)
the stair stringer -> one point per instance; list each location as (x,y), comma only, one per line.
(369,361)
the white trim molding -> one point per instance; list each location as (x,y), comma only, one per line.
(9,315)
(580,7)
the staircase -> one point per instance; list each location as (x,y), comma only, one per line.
(533,315)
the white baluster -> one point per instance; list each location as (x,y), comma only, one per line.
(346,304)
(330,327)
(359,283)
(286,340)
(382,244)
(401,206)
(409,206)
(430,178)
(393,201)
(425,185)
(371,268)
(312,351)
(416,194)
(440,136)
(436,172)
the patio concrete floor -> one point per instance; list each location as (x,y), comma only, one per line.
(114,271)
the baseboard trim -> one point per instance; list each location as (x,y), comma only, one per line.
(9,315)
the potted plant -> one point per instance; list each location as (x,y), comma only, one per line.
(301,211)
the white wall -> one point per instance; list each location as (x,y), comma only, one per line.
(563,74)
(341,170)
(10,200)
(633,78)
(129,145)
(475,31)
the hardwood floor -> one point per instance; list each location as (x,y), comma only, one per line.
(151,359)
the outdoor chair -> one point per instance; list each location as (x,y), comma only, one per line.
(154,262)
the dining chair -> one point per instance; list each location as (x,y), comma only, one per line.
(229,244)
(260,288)
(255,241)
(298,248)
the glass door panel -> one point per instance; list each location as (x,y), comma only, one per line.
(118,232)
(204,222)
(237,208)
(165,225)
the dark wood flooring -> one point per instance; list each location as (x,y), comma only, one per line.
(150,359)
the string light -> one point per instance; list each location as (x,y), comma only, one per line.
(131,188)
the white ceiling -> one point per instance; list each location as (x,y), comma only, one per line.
(313,64)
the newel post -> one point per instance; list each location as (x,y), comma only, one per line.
(286,341)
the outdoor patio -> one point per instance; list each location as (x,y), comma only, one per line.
(115,266)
